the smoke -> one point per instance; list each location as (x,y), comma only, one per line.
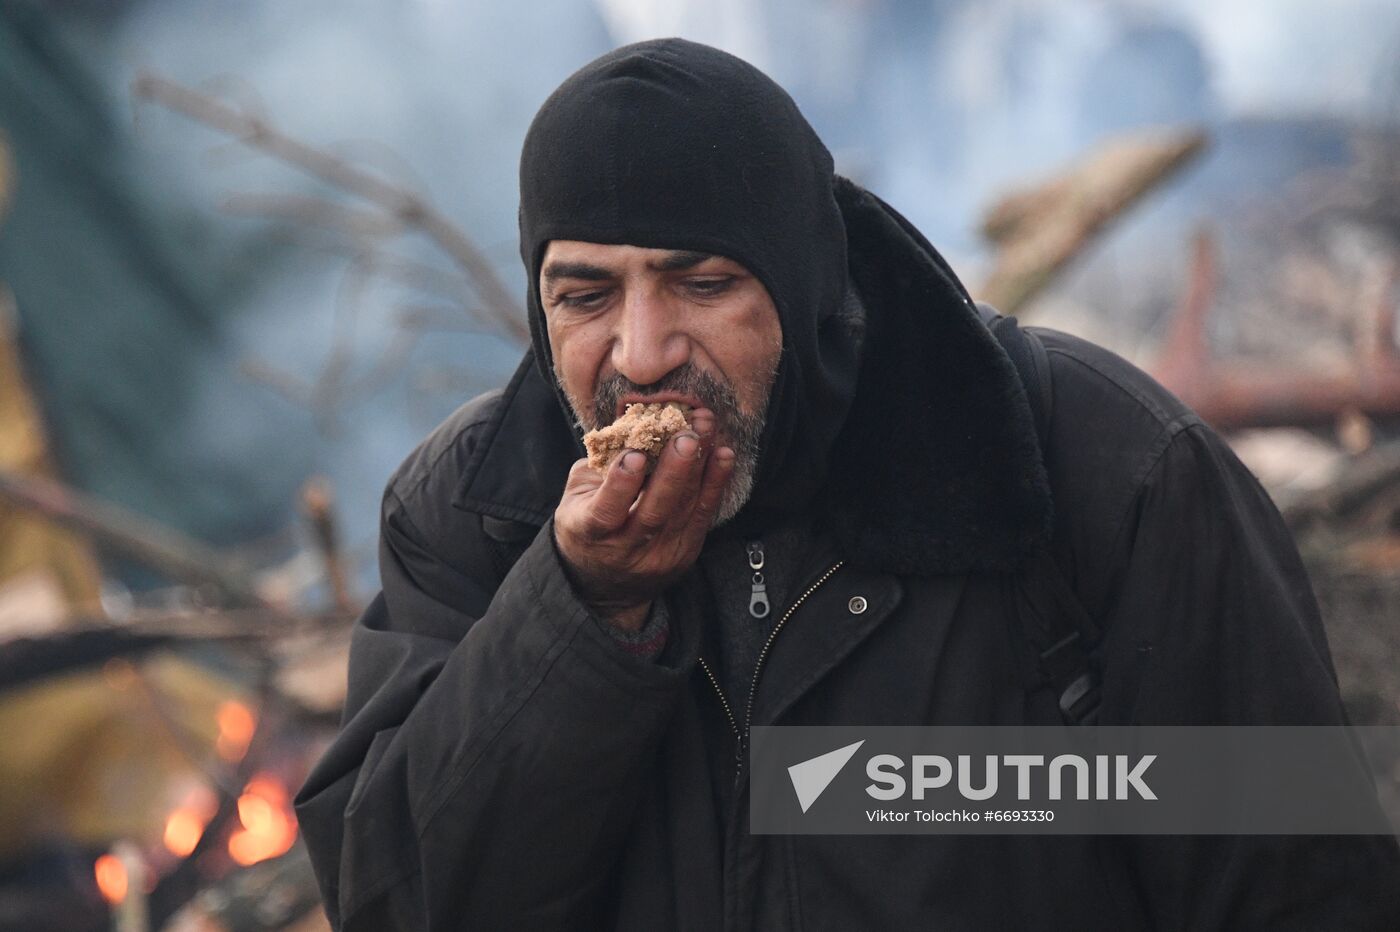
(432,96)
(936,106)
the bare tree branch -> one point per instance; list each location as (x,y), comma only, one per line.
(137,537)
(405,206)
(314,211)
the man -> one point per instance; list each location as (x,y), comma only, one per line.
(549,703)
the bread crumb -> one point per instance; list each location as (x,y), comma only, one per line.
(643,427)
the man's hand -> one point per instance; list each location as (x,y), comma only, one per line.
(625,536)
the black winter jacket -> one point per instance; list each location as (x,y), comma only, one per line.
(504,765)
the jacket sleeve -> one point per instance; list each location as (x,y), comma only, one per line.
(1213,622)
(493,748)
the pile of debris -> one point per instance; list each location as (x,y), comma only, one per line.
(153,743)
(1281,327)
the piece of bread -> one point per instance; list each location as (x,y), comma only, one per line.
(644,427)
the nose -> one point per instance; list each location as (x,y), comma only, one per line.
(650,340)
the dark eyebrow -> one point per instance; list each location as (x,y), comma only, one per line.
(557,270)
(674,262)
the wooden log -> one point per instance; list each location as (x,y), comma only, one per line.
(317,501)
(1233,394)
(1038,231)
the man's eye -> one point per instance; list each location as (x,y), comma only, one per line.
(587,299)
(709,287)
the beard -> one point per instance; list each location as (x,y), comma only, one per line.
(741,430)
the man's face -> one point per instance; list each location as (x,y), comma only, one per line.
(629,324)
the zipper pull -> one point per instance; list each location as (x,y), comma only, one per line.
(758,599)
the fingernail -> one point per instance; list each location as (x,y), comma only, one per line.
(725,456)
(633,462)
(687,444)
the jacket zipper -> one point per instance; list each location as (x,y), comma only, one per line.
(741,737)
(758,598)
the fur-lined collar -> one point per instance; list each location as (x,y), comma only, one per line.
(937,470)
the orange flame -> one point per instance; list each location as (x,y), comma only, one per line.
(184,826)
(269,828)
(111,878)
(183,829)
(236,726)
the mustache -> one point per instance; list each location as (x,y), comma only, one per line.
(718,396)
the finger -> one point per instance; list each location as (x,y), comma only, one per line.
(702,421)
(583,479)
(718,471)
(612,502)
(672,486)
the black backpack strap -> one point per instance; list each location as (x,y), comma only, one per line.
(1061,631)
(1063,636)
(1032,365)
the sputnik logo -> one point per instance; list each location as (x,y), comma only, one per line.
(811,777)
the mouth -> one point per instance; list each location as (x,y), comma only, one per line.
(660,398)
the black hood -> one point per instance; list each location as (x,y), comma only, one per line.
(673,145)
(936,468)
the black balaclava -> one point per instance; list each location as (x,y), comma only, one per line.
(670,144)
